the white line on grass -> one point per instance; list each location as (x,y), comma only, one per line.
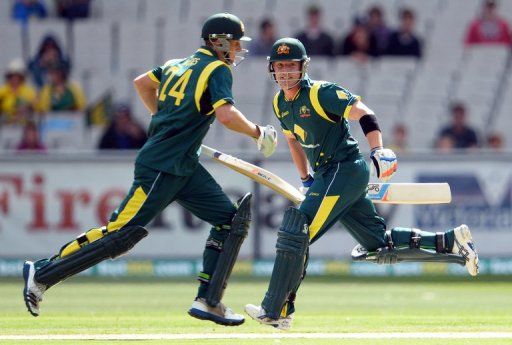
(163,336)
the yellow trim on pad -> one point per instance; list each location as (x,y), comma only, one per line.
(322,214)
(313,96)
(129,211)
(153,77)
(203,79)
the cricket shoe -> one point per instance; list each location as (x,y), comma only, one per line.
(33,291)
(259,314)
(219,314)
(464,246)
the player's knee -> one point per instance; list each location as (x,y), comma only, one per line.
(242,218)
(293,235)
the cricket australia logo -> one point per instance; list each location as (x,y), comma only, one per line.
(283,49)
(304,112)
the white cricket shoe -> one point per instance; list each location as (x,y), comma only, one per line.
(259,314)
(33,292)
(219,314)
(464,246)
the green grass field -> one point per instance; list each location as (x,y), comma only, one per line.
(324,306)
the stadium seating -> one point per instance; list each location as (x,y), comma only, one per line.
(106,55)
(12,43)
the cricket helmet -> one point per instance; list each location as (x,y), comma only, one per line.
(220,29)
(288,49)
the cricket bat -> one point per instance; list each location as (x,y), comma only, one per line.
(385,193)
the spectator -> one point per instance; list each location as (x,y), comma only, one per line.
(17,99)
(399,143)
(123,133)
(489,27)
(30,139)
(315,39)
(267,37)
(23,10)
(404,42)
(49,53)
(60,94)
(495,141)
(73,9)
(458,131)
(445,144)
(359,43)
(378,28)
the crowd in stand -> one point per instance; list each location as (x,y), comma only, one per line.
(368,37)
(42,85)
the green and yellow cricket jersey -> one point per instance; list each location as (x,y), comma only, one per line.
(189,92)
(317,117)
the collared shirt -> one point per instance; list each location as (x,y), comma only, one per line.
(189,91)
(317,118)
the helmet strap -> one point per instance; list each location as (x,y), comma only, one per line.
(222,45)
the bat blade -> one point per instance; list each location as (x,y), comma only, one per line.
(383,193)
(256,173)
(409,193)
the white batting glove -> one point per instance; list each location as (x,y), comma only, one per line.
(267,141)
(384,163)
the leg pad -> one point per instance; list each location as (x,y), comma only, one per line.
(230,249)
(291,247)
(386,255)
(111,246)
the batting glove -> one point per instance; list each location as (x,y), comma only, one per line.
(384,163)
(306,183)
(267,141)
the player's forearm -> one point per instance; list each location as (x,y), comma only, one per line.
(233,119)
(374,139)
(299,157)
(146,89)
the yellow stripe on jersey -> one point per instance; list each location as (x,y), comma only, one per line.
(322,214)
(153,77)
(219,103)
(276,107)
(346,113)
(216,105)
(129,211)
(205,51)
(313,96)
(203,80)
(300,132)
(287,132)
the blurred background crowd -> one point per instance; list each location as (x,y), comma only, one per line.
(437,72)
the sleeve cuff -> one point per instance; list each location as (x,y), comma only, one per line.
(219,103)
(349,107)
(153,77)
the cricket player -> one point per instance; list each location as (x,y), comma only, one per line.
(184,97)
(314,118)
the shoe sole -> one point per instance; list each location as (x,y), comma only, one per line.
(201,315)
(275,325)
(26,276)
